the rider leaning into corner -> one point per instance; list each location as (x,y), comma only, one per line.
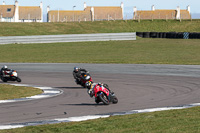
(90,86)
(77,74)
(4,68)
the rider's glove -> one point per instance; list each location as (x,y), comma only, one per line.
(91,95)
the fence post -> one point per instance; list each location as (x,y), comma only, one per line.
(139,19)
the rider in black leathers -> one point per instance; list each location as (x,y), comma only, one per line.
(77,74)
(4,68)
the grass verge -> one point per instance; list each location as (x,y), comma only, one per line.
(173,121)
(25,29)
(141,51)
(145,51)
(13,92)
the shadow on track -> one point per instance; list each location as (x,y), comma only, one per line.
(85,104)
(70,87)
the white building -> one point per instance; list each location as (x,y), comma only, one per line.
(162,13)
(89,13)
(16,13)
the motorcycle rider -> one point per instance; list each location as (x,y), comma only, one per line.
(77,74)
(90,86)
(4,68)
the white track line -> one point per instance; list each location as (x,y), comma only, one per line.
(82,118)
(47,92)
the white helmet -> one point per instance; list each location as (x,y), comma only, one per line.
(5,67)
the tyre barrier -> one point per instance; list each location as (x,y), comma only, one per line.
(146,34)
(140,34)
(153,34)
(194,35)
(181,35)
(162,34)
(171,35)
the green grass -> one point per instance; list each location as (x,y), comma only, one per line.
(24,29)
(141,51)
(13,92)
(173,121)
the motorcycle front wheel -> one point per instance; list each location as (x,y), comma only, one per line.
(104,99)
(19,80)
(115,100)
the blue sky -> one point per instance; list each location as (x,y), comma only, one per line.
(128,4)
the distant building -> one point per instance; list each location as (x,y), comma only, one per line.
(162,14)
(89,13)
(16,13)
(106,13)
(7,13)
(67,15)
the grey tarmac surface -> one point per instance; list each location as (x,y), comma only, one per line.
(136,86)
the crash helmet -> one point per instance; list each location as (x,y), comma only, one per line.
(5,67)
(88,84)
(76,69)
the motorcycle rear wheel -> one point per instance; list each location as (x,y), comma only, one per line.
(4,80)
(104,99)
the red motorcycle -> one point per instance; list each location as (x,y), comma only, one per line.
(103,94)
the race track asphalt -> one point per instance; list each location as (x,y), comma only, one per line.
(136,86)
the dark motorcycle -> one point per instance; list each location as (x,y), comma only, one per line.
(85,77)
(82,78)
(10,75)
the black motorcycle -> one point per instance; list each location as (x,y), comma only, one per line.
(82,77)
(10,75)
